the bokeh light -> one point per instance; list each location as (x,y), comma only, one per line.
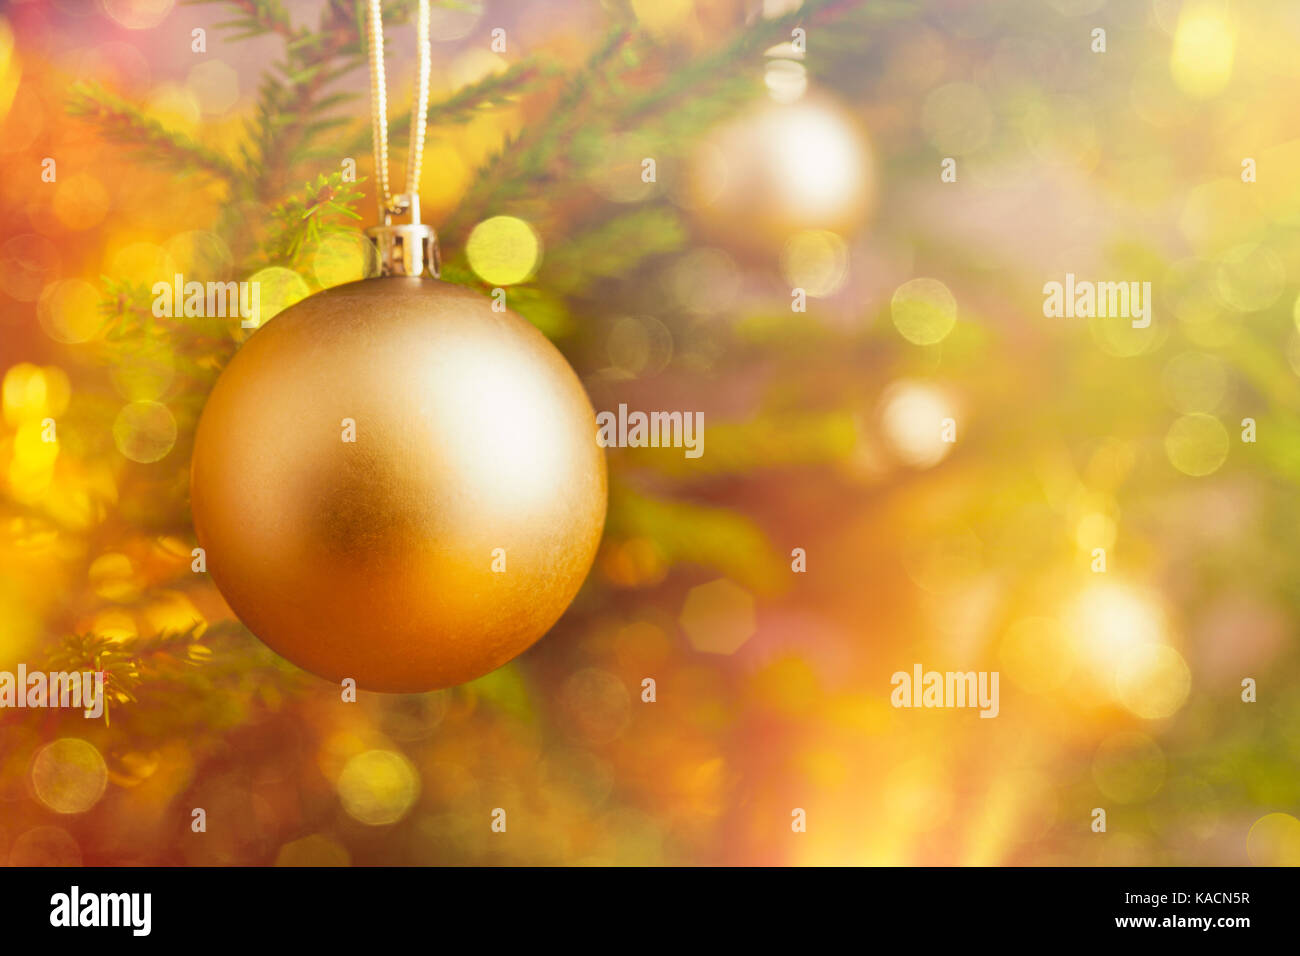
(378,787)
(503,250)
(1197,444)
(1274,840)
(144,431)
(1204,46)
(69,310)
(912,416)
(815,260)
(924,311)
(69,775)
(718,617)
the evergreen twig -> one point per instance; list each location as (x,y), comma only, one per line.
(120,122)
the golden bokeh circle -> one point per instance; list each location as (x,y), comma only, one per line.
(69,775)
(924,311)
(1274,840)
(503,250)
(144,431)
(1197,444)
(378,787)
(1152,681)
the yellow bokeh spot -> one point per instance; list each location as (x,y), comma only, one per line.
(1095,530)
(662,17)
(69,775)
(176,107)
(503,250)
(815,260)
(1204,42)
(10,69)
(31,469)
(446,189)
(785,80)
(718,617)
(278,288)
(24,393)
(144,431)
(912,417)
(173,612)
(112,576)
(114,624)
(80,201)
(68,310)
(1274,840)
(1197,444)
(32,450)
(142,262)
(344,257)
(31,392)
(1152,681)
(924,311)
(1250,277)
(1108,621)
(144,372)
(378,787)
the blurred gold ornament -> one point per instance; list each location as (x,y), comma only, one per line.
(781,168)
(395,483)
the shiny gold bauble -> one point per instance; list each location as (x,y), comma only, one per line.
(443,540)
(781,167)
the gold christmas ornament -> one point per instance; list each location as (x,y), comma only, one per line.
(396,484)
(392,481)
(782,167)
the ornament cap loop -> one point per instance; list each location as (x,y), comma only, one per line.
(406,249)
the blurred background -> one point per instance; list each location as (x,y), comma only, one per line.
(782,161)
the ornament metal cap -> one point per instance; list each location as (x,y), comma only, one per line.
(406,249)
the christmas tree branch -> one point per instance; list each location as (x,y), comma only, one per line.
(613,247)
(526,159)
(491,92)
(259,18)
(289,108)
(120,122)
(304,217)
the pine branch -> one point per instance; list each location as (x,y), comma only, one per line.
(495,90)
(303,218)
(612,247)
(701,75)
(289,109)
(125,664)
(259,18)
(527,159)
(120,122)
(551,156)
(491,92)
